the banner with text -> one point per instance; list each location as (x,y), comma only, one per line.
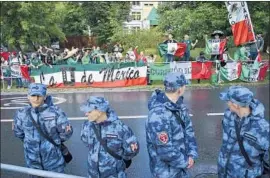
(191,70)
(97,75)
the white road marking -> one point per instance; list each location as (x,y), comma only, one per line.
(85,118)
(22,100)
(215,114)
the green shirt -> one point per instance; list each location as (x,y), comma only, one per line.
(85,59)
(71,61)
(240,54)
(36,62)
(188,43)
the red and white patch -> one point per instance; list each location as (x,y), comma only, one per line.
(163,137)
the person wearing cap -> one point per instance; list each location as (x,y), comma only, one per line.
(39,152)
(170,136)
(117,137)
(246,113)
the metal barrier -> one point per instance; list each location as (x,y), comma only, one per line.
(36,172)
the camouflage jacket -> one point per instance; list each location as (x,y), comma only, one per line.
(255,134)
(40,153)
(169,144)
(118,137)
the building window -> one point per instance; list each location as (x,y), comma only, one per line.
(148,4)
(135,29)
(135,3)
(136,15)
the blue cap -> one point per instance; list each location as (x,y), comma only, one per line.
(37,89)
(95,102)
(174,80)
(237,94)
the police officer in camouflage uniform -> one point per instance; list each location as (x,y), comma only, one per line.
(40,153)
(118,137)
(247,114)
(171,144)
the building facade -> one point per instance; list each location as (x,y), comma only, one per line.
(142,15)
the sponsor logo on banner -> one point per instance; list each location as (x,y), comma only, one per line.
(184,68)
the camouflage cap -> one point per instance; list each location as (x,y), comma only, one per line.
(95,103)
(174,80)
(237,94)
(37,89)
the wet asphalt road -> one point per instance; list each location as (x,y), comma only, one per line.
(200,102)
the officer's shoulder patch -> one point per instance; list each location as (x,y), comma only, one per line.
(163,137)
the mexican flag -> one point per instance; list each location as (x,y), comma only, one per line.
(20,71)
(215,46)
(254,72)
(231,71)
(176,49)
(240,21)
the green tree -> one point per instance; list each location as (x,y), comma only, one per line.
(72,18)
(105,17)
(144,39)
(195,21)
(29,23)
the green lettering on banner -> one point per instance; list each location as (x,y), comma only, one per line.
(158,72)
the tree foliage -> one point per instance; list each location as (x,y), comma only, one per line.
(199,18)
(24,23)
(105,17)
(32,23)
(143,38)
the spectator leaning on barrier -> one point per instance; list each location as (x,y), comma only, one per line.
(244,125)
(52,121)
(141,58)
(86,56)
(15,64)
(5,71)
(109,157)
(170,136)
(35,61)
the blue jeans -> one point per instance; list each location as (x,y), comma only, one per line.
(187,56)
(19,82)
(169,57)
(253,55)
(8,81)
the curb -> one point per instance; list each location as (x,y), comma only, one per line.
(127,89)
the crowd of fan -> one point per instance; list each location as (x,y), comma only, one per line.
(45,56)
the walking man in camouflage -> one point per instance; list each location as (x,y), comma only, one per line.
(245,141)
(39,152)
(170,136)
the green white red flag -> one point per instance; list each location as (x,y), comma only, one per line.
(215,46)
(240,21)
(176,49)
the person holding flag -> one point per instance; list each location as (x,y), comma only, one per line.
(170,48)
(216,45)
(169,55)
